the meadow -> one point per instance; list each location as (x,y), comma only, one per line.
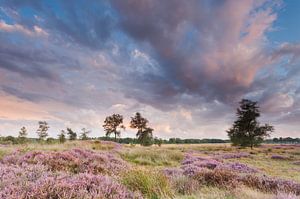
(103,169)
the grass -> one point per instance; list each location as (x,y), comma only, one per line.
(152,156)
(146,162)
(152,184)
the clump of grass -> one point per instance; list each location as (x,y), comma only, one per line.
(151,184)
(102,146)
(185,185)
(152,157)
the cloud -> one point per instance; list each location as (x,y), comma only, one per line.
(37,31)
(183,64)
(210,49)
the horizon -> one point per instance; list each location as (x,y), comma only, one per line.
(184,65)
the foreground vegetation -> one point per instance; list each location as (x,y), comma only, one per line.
(104,169)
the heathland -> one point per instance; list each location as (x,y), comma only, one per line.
(103,169)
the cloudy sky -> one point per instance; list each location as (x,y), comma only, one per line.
(183,64)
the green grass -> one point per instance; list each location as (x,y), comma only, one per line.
(147,162)
(152,184)
(152,156)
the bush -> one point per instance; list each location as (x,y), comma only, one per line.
(273,185)
(279,157)
(218,177)
(185,185)
(75,161)
(34,181)
(150,184)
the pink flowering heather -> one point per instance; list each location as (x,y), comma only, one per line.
(33,181)
(75,161)
(233,155)
(286,146)
(238,167)
(278,157)
(191,158)
(296,163)
(173,172)
(286,196)
(190,170)
(193,164)
(269,184)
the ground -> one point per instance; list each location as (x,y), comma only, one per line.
(147,171)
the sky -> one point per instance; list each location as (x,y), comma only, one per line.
(184,65)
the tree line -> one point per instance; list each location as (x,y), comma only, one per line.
(113,125)
(246,131)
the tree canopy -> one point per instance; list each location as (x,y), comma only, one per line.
(246,130)
(22,134)
(113,125)
(72,134)
(42,130)
(144,133)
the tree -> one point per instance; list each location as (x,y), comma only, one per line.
(22,134)
(72,134)
(42,130)
(144,133)
(246,130)
(84,134)
(113,125)
(158,141)
(62,136)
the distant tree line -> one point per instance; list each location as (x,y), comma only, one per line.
(281,140)
(246,131)
(129,140)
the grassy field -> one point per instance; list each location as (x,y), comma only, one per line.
(170,171)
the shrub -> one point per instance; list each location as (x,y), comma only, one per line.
(33,181)
(185,185)
(296,163)
(286,196)
(238,167)
(75,161)
(234,155)
(150,184)
(273,185)
(172,172)
(218,177)
(279,157)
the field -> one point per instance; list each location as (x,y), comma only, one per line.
(101,169)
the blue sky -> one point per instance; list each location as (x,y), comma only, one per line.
(183,64)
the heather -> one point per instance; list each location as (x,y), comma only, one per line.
(35,181)
(104,169)
(75,161)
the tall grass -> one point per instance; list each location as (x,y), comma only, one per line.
(152,184)
(152,156)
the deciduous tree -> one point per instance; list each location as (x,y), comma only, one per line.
(113,125)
